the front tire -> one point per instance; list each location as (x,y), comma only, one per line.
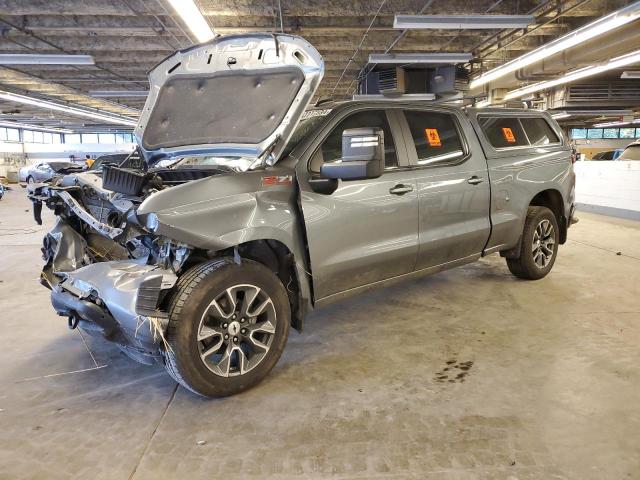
(538,247)
(228,325)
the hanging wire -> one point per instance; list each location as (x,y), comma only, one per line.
(280,10)
(362,40)
(400,36)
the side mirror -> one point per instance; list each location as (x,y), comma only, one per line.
(362,155)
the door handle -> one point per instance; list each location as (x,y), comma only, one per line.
(401,189)
(475,180)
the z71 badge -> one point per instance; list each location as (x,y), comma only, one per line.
(277,180)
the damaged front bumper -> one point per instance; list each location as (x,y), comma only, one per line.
(107,274)
(118,300)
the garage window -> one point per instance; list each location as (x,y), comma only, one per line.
(13,134)
(503,132)
(435,137)
(539,131)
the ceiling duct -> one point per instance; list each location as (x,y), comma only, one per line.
(594,95)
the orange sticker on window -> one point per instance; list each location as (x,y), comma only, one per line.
(508,135)
(432,136)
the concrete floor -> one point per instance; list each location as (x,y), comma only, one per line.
(467,374)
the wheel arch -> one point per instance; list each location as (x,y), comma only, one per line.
(552,199)
(278,257)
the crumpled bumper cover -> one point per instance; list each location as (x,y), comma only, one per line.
(115,299)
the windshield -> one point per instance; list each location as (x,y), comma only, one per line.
(61,165)
(632,152)
(305,126)
(107,160)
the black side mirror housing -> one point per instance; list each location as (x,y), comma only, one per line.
(362,155)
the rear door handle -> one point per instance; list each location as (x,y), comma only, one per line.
(401,189)
(475,180)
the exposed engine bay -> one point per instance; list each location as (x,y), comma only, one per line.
(102,211)
(102,260)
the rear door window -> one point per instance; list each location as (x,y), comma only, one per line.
(503,132)
(435,136)
(539,131)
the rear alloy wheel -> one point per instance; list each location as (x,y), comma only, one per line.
(539,245)
(228,325)
(543,245)
(30,180)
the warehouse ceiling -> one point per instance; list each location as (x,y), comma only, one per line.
(128,37)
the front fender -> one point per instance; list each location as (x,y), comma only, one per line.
(221,212)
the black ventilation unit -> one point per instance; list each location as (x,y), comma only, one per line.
(442,80)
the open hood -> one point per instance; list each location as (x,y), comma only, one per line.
(236,96)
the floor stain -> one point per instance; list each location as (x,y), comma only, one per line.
(454,372)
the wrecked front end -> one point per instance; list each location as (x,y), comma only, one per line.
(224,109)
(107,271)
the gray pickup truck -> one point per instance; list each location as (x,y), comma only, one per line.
(253,209)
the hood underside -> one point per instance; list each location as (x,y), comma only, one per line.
(237,96)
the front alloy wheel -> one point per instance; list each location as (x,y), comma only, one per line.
(236,330)
(228,325)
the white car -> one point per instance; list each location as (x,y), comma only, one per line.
(632,152)
(43,171)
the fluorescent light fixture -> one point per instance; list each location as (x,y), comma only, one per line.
(34,127)
(118,93)
(44,59)
(192,17)
(617,62)
(401,98)
(593,113)
(630,75)
(461,22)
(45,104)
(615,124)
(576,37)
(430,58)
(560,115)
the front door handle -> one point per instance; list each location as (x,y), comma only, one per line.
(475,180)
(401,189)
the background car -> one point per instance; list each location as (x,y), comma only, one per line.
(632,152)
(43,171)
(608,155)
(1,191)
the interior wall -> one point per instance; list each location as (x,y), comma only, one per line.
(14,155)
(613,185)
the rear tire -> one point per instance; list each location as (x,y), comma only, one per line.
(30,180)
(538,247)
(228,325)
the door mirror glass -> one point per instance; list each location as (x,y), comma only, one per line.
(362,155)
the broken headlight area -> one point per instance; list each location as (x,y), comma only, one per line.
(108,271)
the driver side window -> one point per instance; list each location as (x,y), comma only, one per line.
(331,148)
